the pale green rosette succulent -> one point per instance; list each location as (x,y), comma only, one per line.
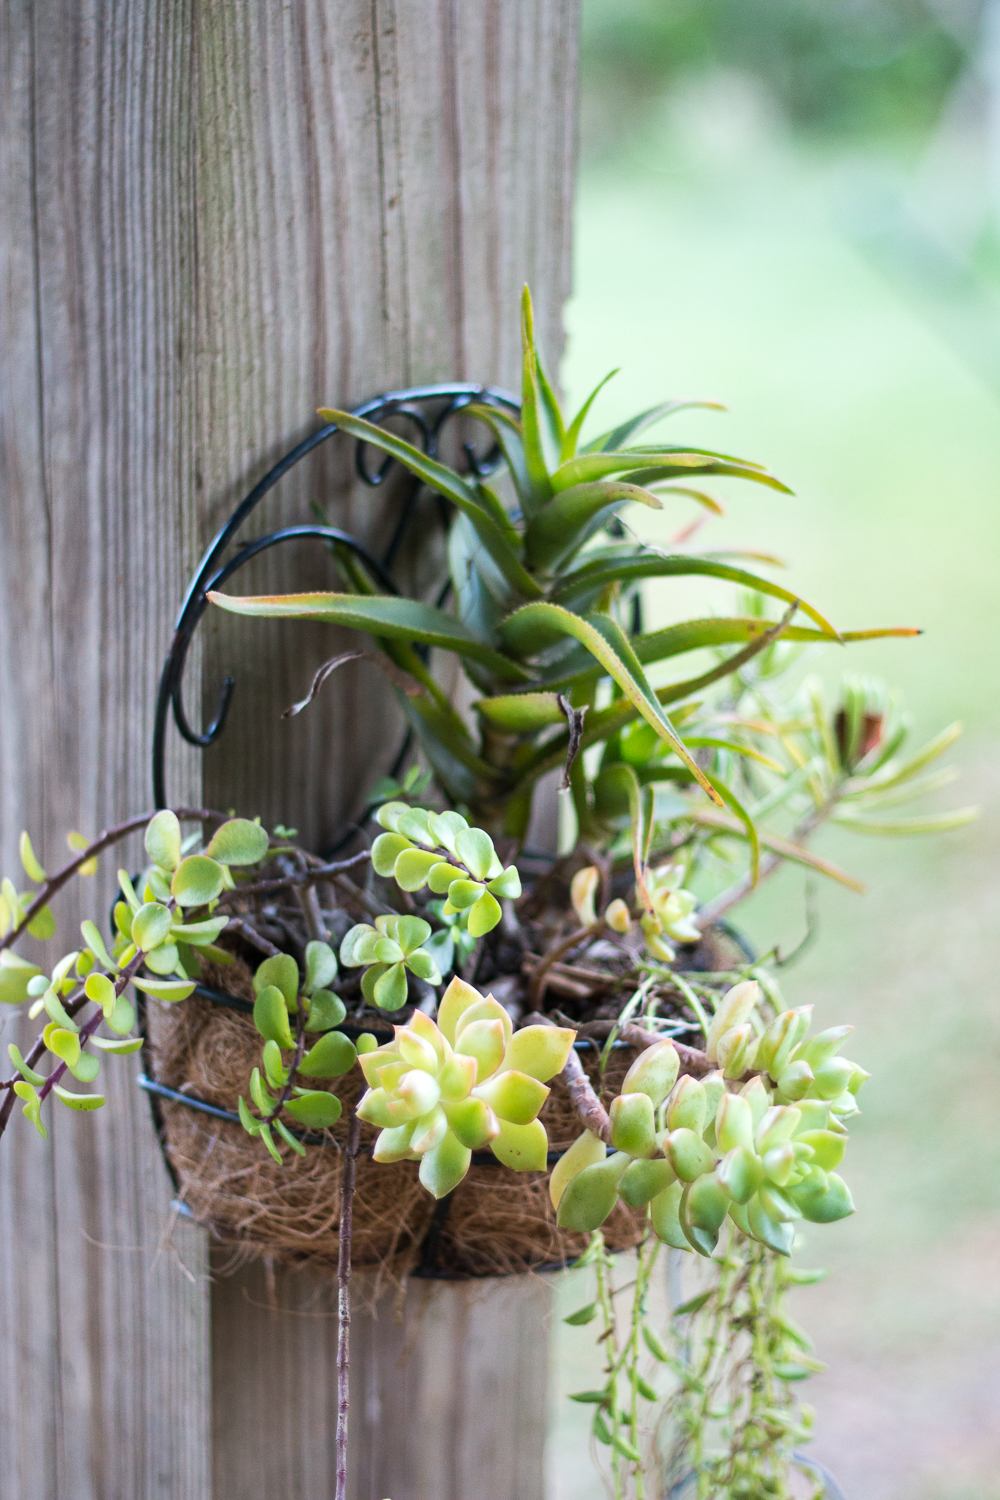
(440,1091)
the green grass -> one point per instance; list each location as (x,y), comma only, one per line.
(731,281)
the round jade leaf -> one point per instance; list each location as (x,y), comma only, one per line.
(332,1055)
(163,840)
(475,849)
(390,988)
(280,970)
(315,1109)
(326,1010)
(485,915)
(150,925)
(197,880)
(321,965)
(386,850)
(422,964)
(411,933)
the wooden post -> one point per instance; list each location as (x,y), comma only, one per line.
(217,217)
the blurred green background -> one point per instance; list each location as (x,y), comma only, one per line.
(791,206)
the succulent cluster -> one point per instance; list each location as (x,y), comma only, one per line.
(695,1151)
(442,851)
(154,940)
(440,1091)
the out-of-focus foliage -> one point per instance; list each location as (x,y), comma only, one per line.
(831,67)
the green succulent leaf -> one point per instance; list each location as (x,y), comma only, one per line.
(326,1010)
(238,842)
(592,577)
(197,881)
(280,970)
(83,1102)
(270,1016)
(395,618)
(315,1109)
(563,525)
(163,840)
(333,1055)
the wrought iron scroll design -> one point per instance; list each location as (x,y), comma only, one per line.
(428,409)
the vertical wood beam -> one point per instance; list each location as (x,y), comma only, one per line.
(216,218)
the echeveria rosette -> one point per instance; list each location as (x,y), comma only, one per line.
(695,1152)
(392,946)
(440,1091)
(442,851)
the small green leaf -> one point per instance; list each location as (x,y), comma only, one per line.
(197,881)
(595,1398)
(280,971)
(484,915)
(273,1066)
(151,925)
(582,1315)
(95,943)
(413,866)
(265,1134)
(54,1006)
(199,934)
(43,925)
(316,1109)
(474,848)
(625,1448)
(117,1048)
(32,868)
(424,966)
(238,842)
(506,886)
(65,1044)
(326,1010)
(78,1101)
(163,840)
(128,890)
(286,1135)
(693,1305)
(122,1018)
(654,1346)
(166,989)
(86,1067)
(22,1067)
(32,1108)
(333,1055)
(270,1016)
(390,988)
(250,1125)
(321,966)
(259,1094)
(411,933)
(386,850)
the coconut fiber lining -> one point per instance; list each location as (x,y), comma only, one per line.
(495,1223)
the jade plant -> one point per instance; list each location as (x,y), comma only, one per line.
(728,1130)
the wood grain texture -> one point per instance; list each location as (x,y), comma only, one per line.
(448,1389)
(216,218)
(104,1368)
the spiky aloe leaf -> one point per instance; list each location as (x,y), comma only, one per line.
(618,436)
(608,643)
(396,618)
(591,577)
(562,526)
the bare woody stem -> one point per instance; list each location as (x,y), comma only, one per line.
(315,875)
(591,1112)
(344,1296)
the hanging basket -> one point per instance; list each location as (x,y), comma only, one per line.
(497,1222)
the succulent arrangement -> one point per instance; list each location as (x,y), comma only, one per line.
(506,973)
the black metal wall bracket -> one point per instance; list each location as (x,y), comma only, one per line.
(427,410)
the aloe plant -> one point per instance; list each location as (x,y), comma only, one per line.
(543,603)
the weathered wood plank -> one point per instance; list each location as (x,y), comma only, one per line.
(448,1389)
(217,218)
(103,1334)
(395,172)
